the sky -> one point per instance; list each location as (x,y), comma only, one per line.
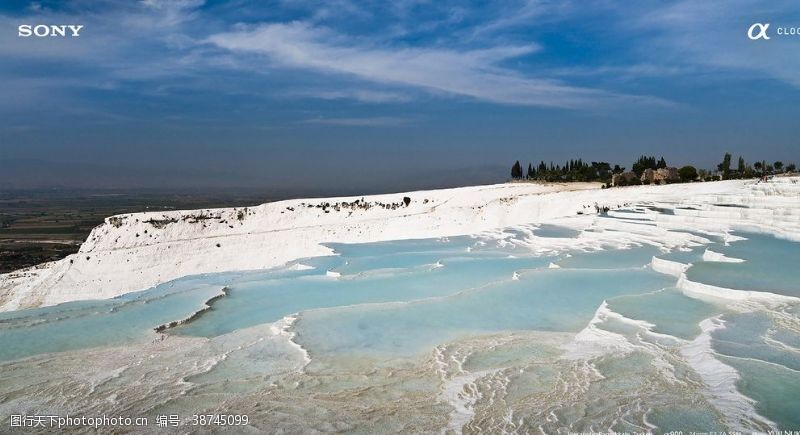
(344,95)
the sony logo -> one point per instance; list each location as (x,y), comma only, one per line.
(42,30)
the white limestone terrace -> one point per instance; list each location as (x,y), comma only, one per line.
(140,250)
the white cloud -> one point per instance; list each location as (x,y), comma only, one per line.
(707,35)
(528,13)
(474,73)
(362,95)
(170,13)
(379,121)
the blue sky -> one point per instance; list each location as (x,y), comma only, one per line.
(386,94)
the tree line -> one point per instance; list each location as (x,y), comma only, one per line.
(725,171)
(572,170)
(578,170)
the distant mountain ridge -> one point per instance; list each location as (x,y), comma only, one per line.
(19,174)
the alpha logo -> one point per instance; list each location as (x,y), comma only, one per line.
(762,31)
(44,30)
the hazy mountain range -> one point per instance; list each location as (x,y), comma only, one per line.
(22,174)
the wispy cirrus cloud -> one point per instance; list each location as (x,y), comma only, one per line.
(356,94)
(476,73)
(705,35)
(376,121)
(529,13)
(514,53)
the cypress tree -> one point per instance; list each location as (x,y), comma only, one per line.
(516,170)
(725,166)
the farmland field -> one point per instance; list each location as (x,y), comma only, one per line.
(37,226)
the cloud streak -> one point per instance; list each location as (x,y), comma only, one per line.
(378,121)
(706,35)
(472,73)
(360,95)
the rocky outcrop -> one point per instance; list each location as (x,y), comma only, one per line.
(660,176)
(625,179)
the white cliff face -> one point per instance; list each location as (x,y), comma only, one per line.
(137,251)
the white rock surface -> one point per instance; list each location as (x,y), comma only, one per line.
(137,251)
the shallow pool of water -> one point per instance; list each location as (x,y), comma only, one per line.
(474,333)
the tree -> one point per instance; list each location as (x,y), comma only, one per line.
(687,173)
(778,165)
(516,171)
(643,163)
(741,167)
(725,166)
(791,167)
(661,163)
(758,167)
(599,170)
(531,171)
